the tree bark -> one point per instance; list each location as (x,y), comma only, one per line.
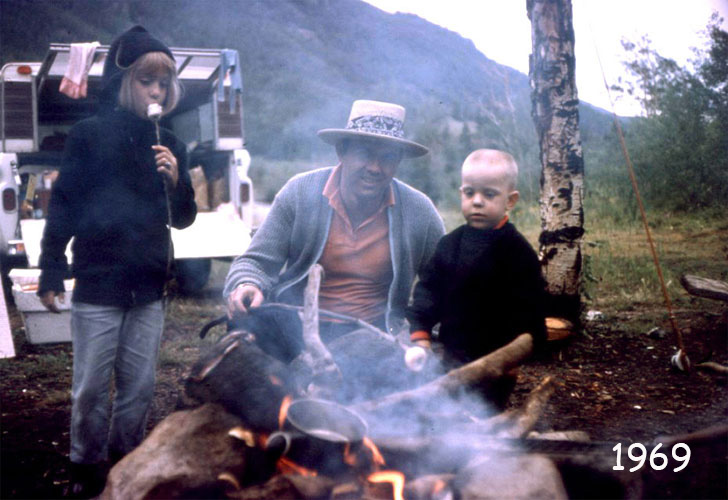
(555,112)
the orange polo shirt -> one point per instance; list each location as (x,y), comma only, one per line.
(356,260)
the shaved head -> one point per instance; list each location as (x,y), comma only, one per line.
(495,160)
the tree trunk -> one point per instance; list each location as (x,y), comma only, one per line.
(555,111)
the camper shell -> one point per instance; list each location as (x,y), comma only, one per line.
(35,118)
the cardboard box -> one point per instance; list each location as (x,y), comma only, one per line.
(41,325)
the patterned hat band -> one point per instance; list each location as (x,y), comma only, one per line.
(377,124)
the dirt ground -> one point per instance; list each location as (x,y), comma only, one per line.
(614,382)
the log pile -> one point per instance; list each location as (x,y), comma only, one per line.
(210,452)
(440,445)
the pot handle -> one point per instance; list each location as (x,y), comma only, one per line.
(279,442)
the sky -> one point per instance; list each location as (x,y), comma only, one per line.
(500,29)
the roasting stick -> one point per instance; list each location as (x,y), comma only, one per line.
(154,113)
(680,359)
(415,356)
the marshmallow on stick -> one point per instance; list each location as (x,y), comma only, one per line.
(154,111)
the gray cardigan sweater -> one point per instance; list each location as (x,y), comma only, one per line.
(294,233)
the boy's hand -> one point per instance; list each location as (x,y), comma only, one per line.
(421,338)
(424,343)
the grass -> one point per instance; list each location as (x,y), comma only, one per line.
(619,271)
(619,279)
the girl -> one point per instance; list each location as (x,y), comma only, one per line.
(110,196)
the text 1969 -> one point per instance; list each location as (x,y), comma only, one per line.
(658,460)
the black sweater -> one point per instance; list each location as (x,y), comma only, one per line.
(110,198)
(484,287)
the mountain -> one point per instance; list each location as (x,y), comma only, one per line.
(305,61)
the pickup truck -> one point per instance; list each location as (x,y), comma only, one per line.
(35,118)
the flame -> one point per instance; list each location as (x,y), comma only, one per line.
(288,466)
(261,440)
(377,457)
(283,412)
(349,457)
(390,476)
(438,486)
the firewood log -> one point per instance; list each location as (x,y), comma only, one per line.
(712,366)
(705,287)
(287,486)
(325,374)
(430,487)
(518,422)
(525,476)
(184,456)
(716,432)
(238,375)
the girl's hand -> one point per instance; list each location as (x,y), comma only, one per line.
(167,165)
(48,299)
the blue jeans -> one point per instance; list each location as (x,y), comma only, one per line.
(125,341)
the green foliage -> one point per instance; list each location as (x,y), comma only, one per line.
(680,147)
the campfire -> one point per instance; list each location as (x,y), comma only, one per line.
(263,429)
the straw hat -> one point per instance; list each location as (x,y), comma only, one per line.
(380,120)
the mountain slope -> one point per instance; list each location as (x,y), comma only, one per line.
(305,61)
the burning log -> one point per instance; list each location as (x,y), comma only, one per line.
(488,368)
(238,375)
(430,487)
(187,455)
(325,374)
(288,486)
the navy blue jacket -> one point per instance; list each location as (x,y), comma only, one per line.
(110,198)
(484,287)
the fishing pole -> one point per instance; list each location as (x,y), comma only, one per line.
(680,359)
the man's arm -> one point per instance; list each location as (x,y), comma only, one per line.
(253,274)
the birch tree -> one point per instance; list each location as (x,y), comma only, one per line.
(555,112)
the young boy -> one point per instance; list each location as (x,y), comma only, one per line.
(484,283)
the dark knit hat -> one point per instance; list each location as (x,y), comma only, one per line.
(126,49)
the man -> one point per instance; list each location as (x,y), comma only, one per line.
(371,233)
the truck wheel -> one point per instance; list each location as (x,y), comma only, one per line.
(192,274)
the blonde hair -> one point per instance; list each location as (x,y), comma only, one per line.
(151,62)
(494,158)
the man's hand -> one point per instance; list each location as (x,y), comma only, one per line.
(245,297)
(48,299)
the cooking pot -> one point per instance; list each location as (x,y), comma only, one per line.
(316,434)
